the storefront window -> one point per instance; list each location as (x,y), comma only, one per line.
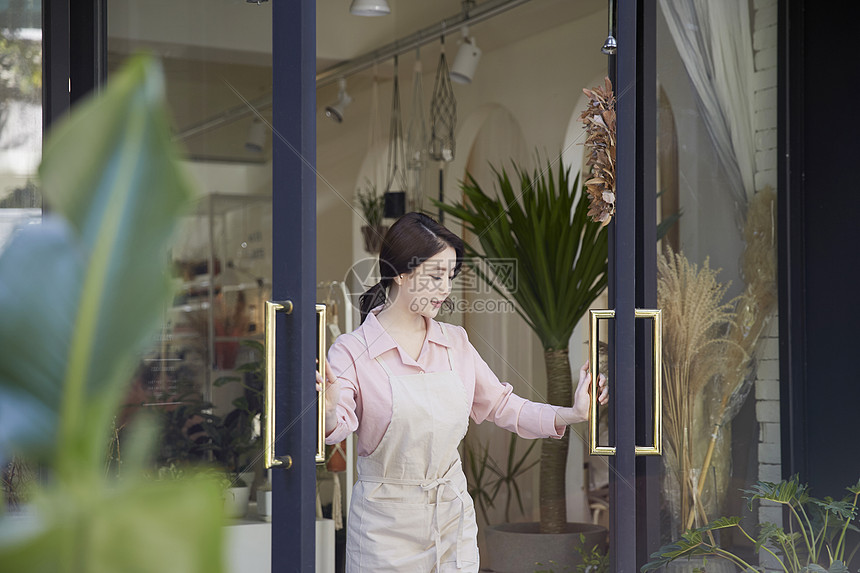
(20,114)
(202,374)
(716,281)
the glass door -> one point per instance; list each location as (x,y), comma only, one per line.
(694,237)
(243,263)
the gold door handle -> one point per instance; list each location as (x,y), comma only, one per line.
(320,457)
(269,459)
(656,315)
(657,347)
(594,357)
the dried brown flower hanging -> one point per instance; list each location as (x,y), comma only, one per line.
(599,121)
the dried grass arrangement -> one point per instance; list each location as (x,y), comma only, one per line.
(754,310)
(695,321)
(710,348)
(599,121)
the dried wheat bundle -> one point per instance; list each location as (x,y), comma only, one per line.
(599,121)
(755,308)
(695,323)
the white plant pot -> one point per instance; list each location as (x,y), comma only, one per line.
(236,501)
(264,504)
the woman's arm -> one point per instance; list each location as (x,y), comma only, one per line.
(494,400)
(343,400)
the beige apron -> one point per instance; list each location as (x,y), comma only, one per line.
(410,510)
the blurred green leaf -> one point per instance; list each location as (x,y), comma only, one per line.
(80,295)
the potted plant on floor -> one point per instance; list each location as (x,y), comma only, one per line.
(490,482)
(816,540)
(235,439)
(561,262)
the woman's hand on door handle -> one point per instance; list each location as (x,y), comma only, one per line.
(581,398)
(332,396)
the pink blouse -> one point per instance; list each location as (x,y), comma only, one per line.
(365,394)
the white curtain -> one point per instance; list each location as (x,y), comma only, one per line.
(714,40)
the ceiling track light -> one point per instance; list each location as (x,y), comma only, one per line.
(335,110)
(466,61)
(256,136)
(369,8)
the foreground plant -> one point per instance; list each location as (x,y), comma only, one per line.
(814,542)
(80,295)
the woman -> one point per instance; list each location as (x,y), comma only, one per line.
(408,384)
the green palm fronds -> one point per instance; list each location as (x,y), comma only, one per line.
(561,258)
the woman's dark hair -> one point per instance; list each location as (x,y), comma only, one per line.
(411,240)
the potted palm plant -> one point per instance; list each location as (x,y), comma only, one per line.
(373,209)
(561,263)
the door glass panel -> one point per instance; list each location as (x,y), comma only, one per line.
(716,279)
(20,115)
(202,374)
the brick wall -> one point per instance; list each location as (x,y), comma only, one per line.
(767,380)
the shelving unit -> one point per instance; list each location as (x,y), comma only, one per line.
(222,259)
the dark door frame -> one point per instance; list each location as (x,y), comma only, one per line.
(634,482)
(817,261)
(74,54)
(294,279)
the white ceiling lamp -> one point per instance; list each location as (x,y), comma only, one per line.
(467,59)
(335,110)
(256,136)
(369,8)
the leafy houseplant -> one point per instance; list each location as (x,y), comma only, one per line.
(561,268)
(814,543)
(72,327)
(372,206)
(237,446)
(487,479)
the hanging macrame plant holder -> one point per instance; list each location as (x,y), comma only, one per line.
(395,188)
(416,142)
(367,194)
(443,113)
(443,119)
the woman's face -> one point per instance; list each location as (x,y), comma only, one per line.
(425,289)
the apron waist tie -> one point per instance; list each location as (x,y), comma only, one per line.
(439,484)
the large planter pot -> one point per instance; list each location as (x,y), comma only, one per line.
(519,547)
